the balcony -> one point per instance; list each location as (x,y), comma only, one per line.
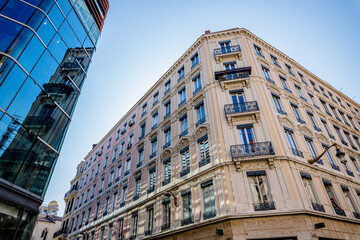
(122,204)
(152,155)
(196,90)
(185,132)
(318,207)
(280,111)
(339,211)
(264,206)
(132,237)
(286,89)
(343,142)
(148,232)
(187,221)
(39,125)
(350,173)
(165,226)
(185,172)
(303,98)
(182,103)
(58,88)
(251,150)
(234,77)
(226,52)
(317,128)
(336,167)
(166,181)
(139,164)
(167,115)
(332,137)
(168,144)
(151,189)
(297,152)
(126,173)
(208,215)
(240,110)
(300,121)
(136,197)
(153,127)
(117,179)
(129,145)
(356,215)
(203,162)
(201,121)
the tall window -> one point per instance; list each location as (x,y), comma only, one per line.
(295,110)
(343,117)
(114,202)
(122,147)
(260,190)
(96,210)
(144,109)
(135,225)
(310,146)
(314,86)
(114,153)
(187,206)
(284,84)
(289,69)
(334,112)
(337,130)
(153,147)
(313,100)
(183,123)
(102,184)
(194,60)
(329,158)
(141,155)
(309,189)
(167,133)
(138,186)
(181,73)
(182,96)
(155,119)
(246,134)
(312,120)
(209,200)
(118,171)
(197,83)
(167,106)
(275,60)
(152,174)
(156,98)
(290,138)
(106,205)
(204,148)
(124,194)
(185,158)
(167,86)
(349,199)
(200,111)
(266,72)
(347,135)
(276,100)
(111,178)
(121,230)
(128,164)
(323,103)
(167,171)
(131,140)
(150,220)
(334,202)
(299,92)
(166,213)
(327,128)
(356,165)
(258,50)
(225,47)
(302,78)
(230,65)
(142,130)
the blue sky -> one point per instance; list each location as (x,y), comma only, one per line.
(142,39)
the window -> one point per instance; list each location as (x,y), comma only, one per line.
(114,202)
(124,195)
(329,158)
(128,165)
(167,171)
(153,147)
(111,178)
(117,134)
(349,199)
(289,69)
(299,92)
(295,110)
(121,230)
(187,208)
(106,161)
(325,106)
(167,86)
(332,198)
(150,220)
(343,117)
(124,128)
(200,112)
(314,86)
(182,96)
(166,214)
(155,119)
(352,123)
(156,98)
(284,84)
(135,225)
(142,130)
(183,124)
(247,136)
(356,140)
(44,234)
(141,156)
(276,99)
(109,143)
(92,174)
(106,205)
(266,72)
(309,190)
(197,84)
(302,78)
(230,65)
(181,73)
(194,60)
(313,100)
(347,135)
(118,171)
(88,216)
(144,109)
(114,153)
(260,190)
(96,210)
(102,184)
(122,147)
(209,200)
(334,112)
(323,91)
(331,96)
(275,60)
(337,130)
(204,151)
(137,187)
(132,120)
(152,174)
(225,47)
(167,106)
(185,158)
(131,140)
(93,191)
(102,230)
(167,133)
(310,146)
(258,50)
(290,138)
(356,165)
(312,120)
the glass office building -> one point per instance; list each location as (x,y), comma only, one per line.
(46,48)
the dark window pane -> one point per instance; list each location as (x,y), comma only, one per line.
(17,10)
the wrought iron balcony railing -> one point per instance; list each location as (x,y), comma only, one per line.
(122,204)
(297,152)
(339,211)
(203,162)
(152,155)
(139,164)
(151,189)
(225,50)
(336,167)
(136,197)
(300,121)
(168,144)
(241,107)
(185,132)
(264,206)
(148,232)
(350,173)
(187,221)
(165,226)
(317,128)
(210,214)
(280,111)
(166,181)
(185,172)
(252,149)
(233,74)
(356,215)
(318,207)
(201,121)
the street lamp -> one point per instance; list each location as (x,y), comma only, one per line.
(169,194)
(339,154)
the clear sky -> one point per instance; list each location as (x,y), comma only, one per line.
(142,39)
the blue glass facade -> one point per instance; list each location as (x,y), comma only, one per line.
(45,51)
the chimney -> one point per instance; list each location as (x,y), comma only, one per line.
(207,32)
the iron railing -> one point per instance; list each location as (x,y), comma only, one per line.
(339,211)
(185,172)
(209,214)
(241,107)
(151,189)
(203,162)
(165,226)
(356,215)
(232,74)
(297,152)
(264,206)
(168,144)
(225,50)
(318,207)
(201,121)
(166,181)
(185,132)
(187,221)
(252,149)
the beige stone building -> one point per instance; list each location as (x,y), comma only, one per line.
(218,148)
(47,222)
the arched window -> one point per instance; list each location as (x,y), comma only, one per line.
(44,234)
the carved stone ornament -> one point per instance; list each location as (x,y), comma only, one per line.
(201,130)
(305,130)
(285,121)
(165,154)
(321,137)
(184,141)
